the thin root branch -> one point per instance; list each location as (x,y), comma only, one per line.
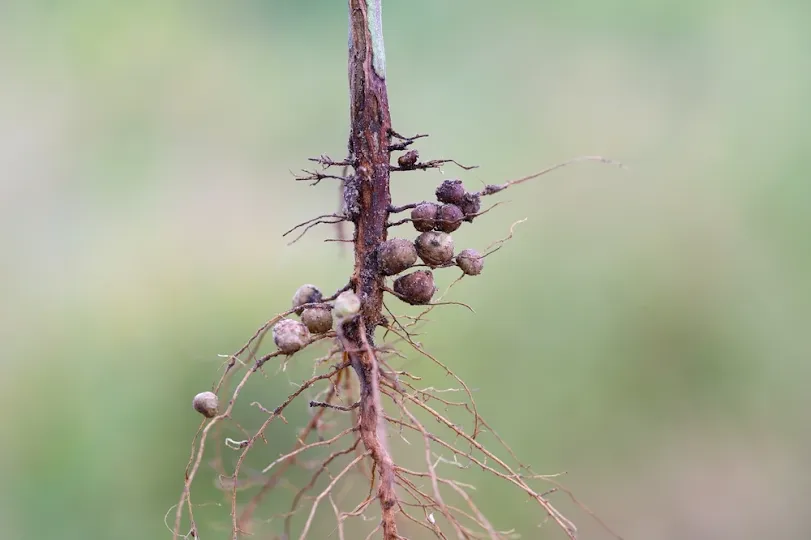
(492,189)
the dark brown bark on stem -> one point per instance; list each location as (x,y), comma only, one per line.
(367,198)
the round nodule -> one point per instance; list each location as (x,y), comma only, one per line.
(470,262)
(318,320)
(449,218)
(346,306)
(450,192)
(416,288)
(290,335)
(206,403)
(435,248)
(396,255)
(423,216)
(306,294)
(409,159)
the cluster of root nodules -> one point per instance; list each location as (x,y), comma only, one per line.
(324,483)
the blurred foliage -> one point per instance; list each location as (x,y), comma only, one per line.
(646,330)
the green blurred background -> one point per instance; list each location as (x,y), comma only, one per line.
(647,330)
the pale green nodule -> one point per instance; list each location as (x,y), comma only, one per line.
(346,306)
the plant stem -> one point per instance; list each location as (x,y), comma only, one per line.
(367,198)
(367,193)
